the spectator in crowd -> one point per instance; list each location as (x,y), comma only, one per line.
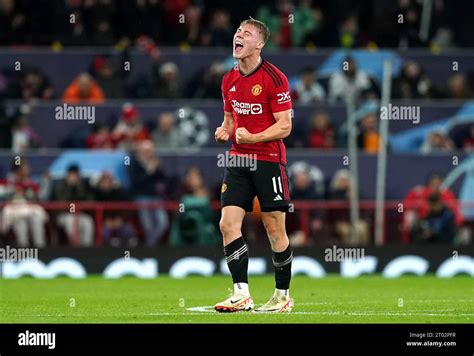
(189,33)
(435,186)
(23,136)
(350,81)
(299,136)
(412,203)
(412,83)
(468,143)
(368,138)
(409,36)
(307,89)
(39,22)
(443,39)
(13,22)
(144,18)
(116,229)
(458,87)
(100,137)
(209,85)
(21,213)
(5,128)
(436,142)
(438,225)
(99,19)
(417,206)
(285,33)
(321,35)
(167,83)
(321,134)
(349,36)
(340,185)
(166,135)
(221,31)
(148,185)
(79,226)
(195,226)
(193,184)
(84,89)
(8,84)
(303,188)
(129,130)
(67,33)
(340,189)
(107,78)
(35,86)
(140,85)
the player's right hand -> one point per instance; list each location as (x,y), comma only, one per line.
(221,135)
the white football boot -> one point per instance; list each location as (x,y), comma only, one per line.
(280,302)
(240,300)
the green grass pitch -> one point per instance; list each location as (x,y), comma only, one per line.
(368,299)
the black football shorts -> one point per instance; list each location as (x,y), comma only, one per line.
(267,180)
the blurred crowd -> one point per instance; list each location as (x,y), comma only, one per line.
(25,222)
(432,213)
(130,128)
(293,23)
(106,80)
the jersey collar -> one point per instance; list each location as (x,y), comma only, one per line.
(253,71)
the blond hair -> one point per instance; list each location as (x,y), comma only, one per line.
(261,27)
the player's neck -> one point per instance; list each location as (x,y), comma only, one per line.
(247,65)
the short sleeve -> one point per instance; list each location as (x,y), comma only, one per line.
(280,99)
(227,106)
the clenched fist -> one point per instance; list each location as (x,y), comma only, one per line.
(221,135)
(243,136)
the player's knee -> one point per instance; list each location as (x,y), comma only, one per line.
(271,228)
(228,227)
(278,239)
(274,231)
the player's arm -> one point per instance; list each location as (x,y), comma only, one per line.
(224,132)
(280,129)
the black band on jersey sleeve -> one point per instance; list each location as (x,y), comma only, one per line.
(275,76)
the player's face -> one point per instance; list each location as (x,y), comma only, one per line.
(246,41)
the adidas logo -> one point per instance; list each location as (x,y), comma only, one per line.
(232,89)
(278,197)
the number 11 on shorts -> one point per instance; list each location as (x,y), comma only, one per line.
(274,180)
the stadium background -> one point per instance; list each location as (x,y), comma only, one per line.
(152,70)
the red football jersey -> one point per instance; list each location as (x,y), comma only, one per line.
(252,99)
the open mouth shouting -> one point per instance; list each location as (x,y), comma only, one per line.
(238,46)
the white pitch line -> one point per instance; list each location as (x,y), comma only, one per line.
(322,313)
(405,301)
(209,309)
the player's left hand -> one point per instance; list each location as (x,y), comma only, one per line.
(243,136)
